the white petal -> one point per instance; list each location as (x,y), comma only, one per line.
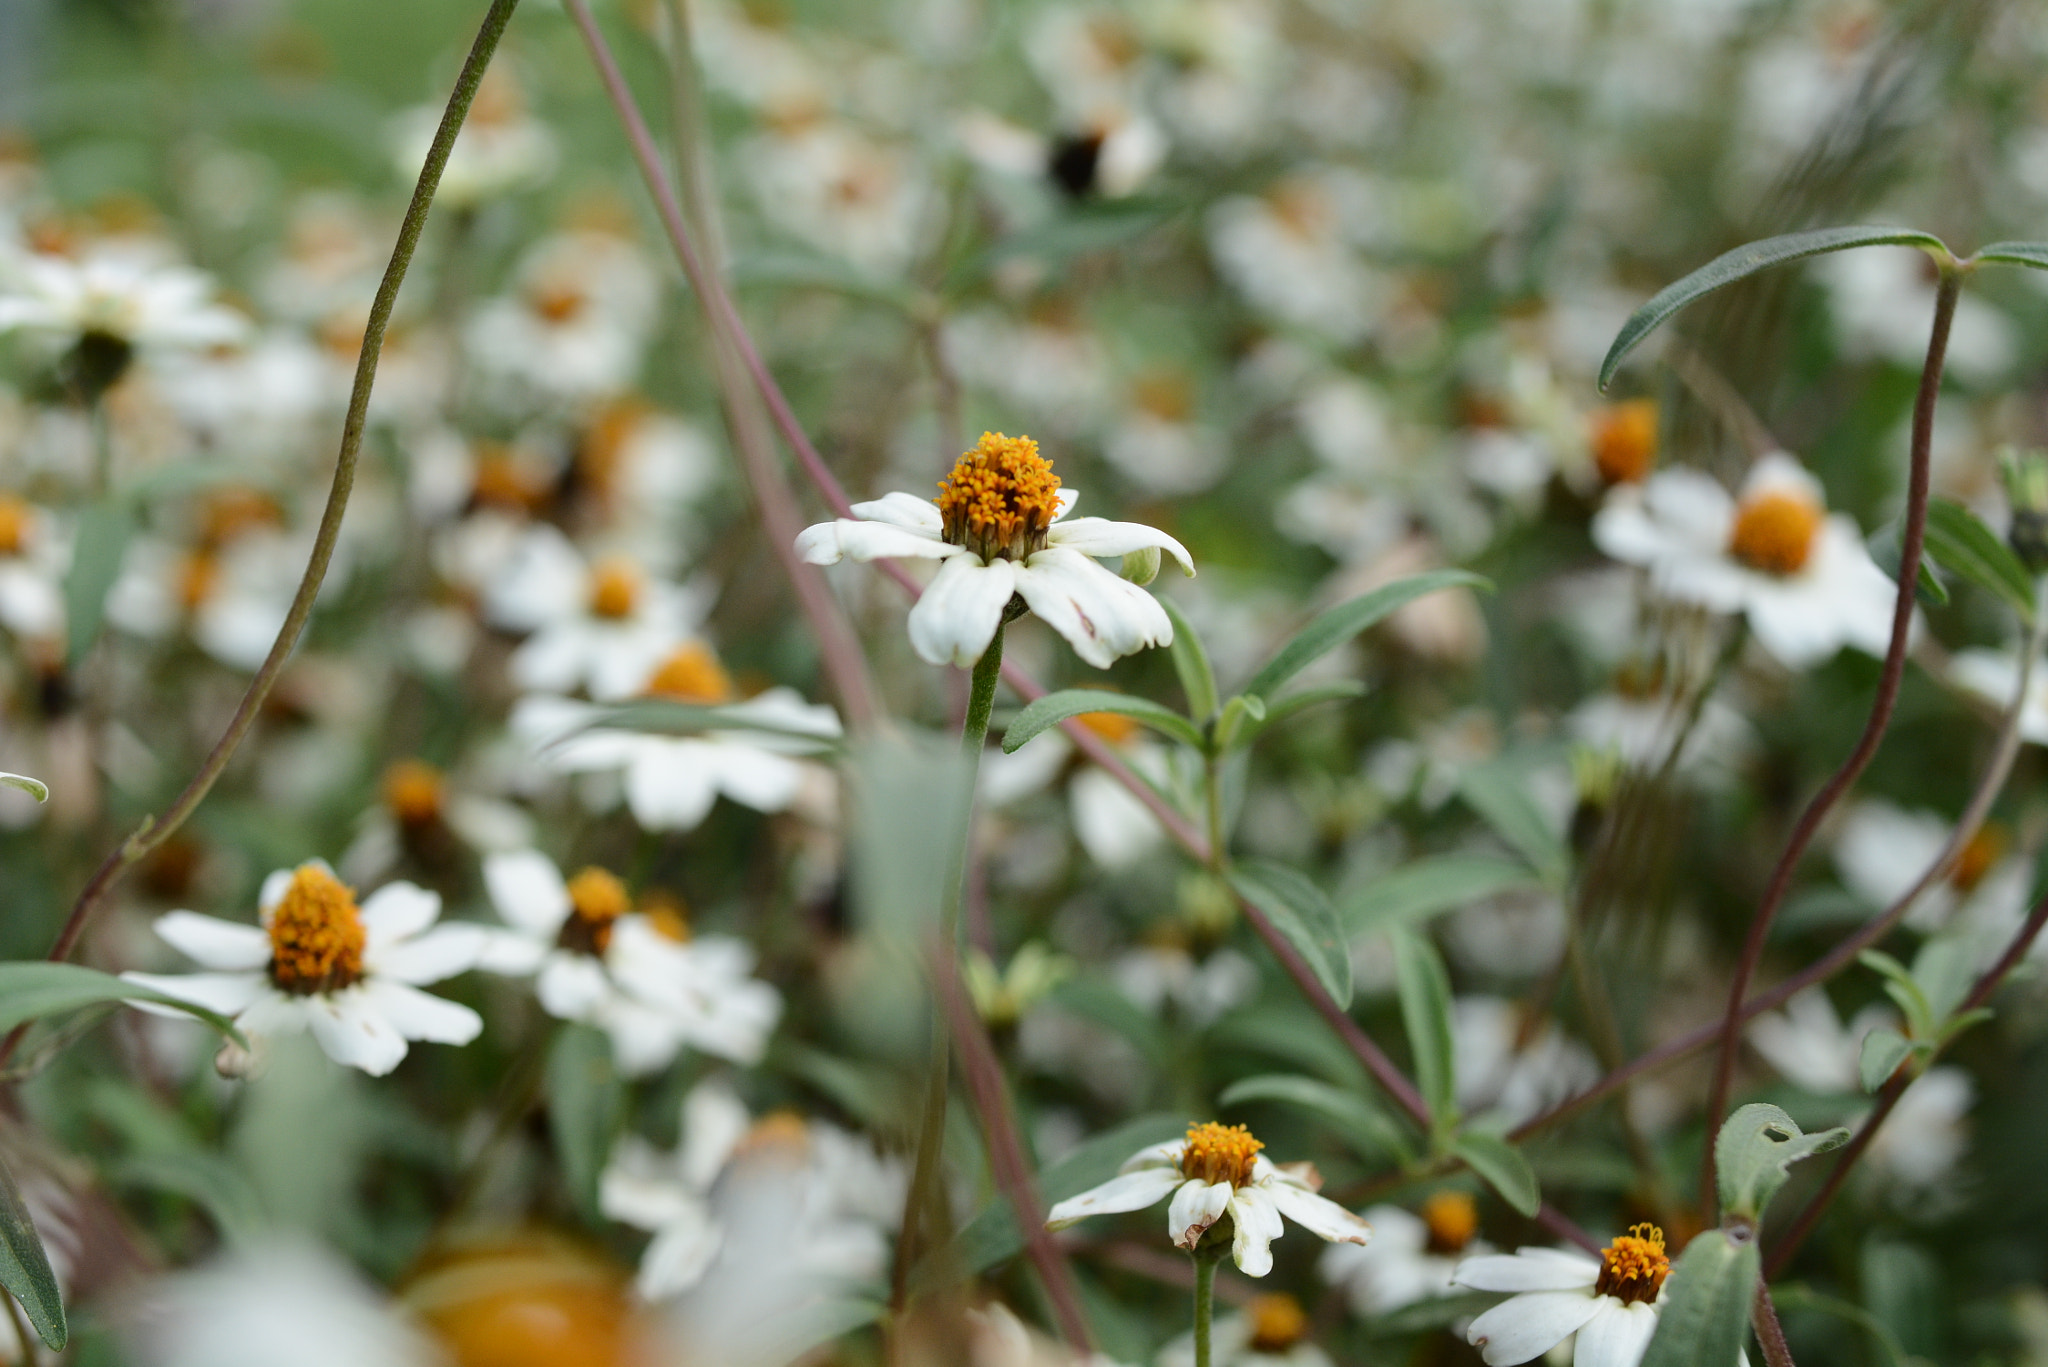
(957,616)
(229,994)
(1257,1225)
(1318,1215)
(1196,1205)
(572,986)
(1101,615)
(422,1015)
(275,884)
(755,777)
(830,542)
(511,953)
(678,1257)
(1522,1327)
(1617,1338)
(528,891)
(213,942)
(667,786)
(1128,1191)
(902,510)
(1064,501)
(399,911)
(441,953)
(354,1033)
(1098,536)
(714,1123)
(1529,1269)
(1166,1154)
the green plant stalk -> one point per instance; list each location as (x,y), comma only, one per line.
(154,831)
(1770,1335)
(1205,1299)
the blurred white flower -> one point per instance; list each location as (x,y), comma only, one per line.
(1200,990)
(1287,253)
(501,147)
(33,558)
(1411,1258)
(1994,676)
(1882,851)
(605,624)
(576,324)
(1499,1071)
(123,295)
(1271,1331)
(350,975)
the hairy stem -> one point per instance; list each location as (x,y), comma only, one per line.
(1873,729)
(1205,1301)
(1770,1334)
(154,831)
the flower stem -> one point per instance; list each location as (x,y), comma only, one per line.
(1770,1334)
(1910,544)
(1205,1300)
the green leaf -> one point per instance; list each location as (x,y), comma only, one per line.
(1500,794)
(1754,1153)
(1425,988)
(661,717)
(585,1094)
(1054,708)
(1944,970)
(1338,625)
(1191,663)
(1958,539)
(25,1268)
(1901,988)
(1503,1167)
(1883,545)
(2033,254)
(32,989)
(1746,261)
(1239,721)
(34,787)
(1884,1049)
(97,552)
(212,1181)
(1415,892)
(1301,912)
(1359,1122)
(1280,709)
(1704,1321)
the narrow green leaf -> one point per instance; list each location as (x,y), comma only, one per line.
(25,1268)
(1191,663)
(585,1094)
(1425,988)
(1901,988)
(1502,1166)
(1944,970)
(2033,254)
(658,716)
(1339,624)
(1754,1154)
(101,544)
(1500,794)
(1415,892)
(212,1181)
(1301,912)
(1746,261)
(34,787)
(1280,709)
(1054,708)
(1958,539)
(1704,1321)
(1361,1123)
(1884,1049)
(1883,545)
(32,989)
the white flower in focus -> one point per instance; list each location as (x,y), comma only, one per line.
(318,962)
(605,625)
(1801,576)
(996,525)
(631,974)
(1411,1258)
(1610,1302)
(1214,1170)
(124,296)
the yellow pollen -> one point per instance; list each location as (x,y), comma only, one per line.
(231,511)
(778,1132)
(1453,1218)
(1625,440)
(1220,1153)
(198,574)
(1114,727)
(597,899)
(15,519)
(667,913)
(691,673)
(1774,531)
(1984,849)
(1278,1323)
(501,481)
(601,454)
(557,303)
(1000,498)
(1634,1266)
(413,791)
(316,934)
(614,589)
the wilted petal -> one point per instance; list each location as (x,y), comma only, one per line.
(1102,616)
(1257,1224)
(1196,1206)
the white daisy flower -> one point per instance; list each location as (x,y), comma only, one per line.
(501,147)
(422,816)
(1411,1257)
(1218,1169)
(1801,576)
(1610,1302)
(634,975)
(996,525)
(669,1194)
(351,975)
(576,328)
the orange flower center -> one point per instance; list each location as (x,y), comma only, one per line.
(779,1133)
(1634,1266)
(316,935)
(557,303)
(614,589)
(667,914)
(1625,440)
(597,900)
(1000,499)
(1453,1218)
(1774,531)
(1278,1323)
(1114,727)
(1220,1153)
(413,790)
(691,673)
(1984,849)
(15,519)
(233,510)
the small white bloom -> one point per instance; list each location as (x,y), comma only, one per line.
(1801,576)
(120,294)
(605,625)
(996,525)
(1411,1258)
(501,147)
(318,962)
(1218,1169)
(1610,1302)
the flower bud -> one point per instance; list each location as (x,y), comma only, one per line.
(1141,567)
(2026,486)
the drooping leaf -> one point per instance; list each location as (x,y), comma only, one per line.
(1191,663)
(1415,892)
(1425,988)
(1746,261)
(1359,1121)
(101,544)
(1958,539)
(1054,708)
(1754,1154)
(1339,624)
(2034,254)
(34,787)
(1500,793)
(32,989)
(585,1094)
(1704,1321)
(1503,1167)
(25,1267)
(1239,721)
(1302,913)
(1884,1049)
